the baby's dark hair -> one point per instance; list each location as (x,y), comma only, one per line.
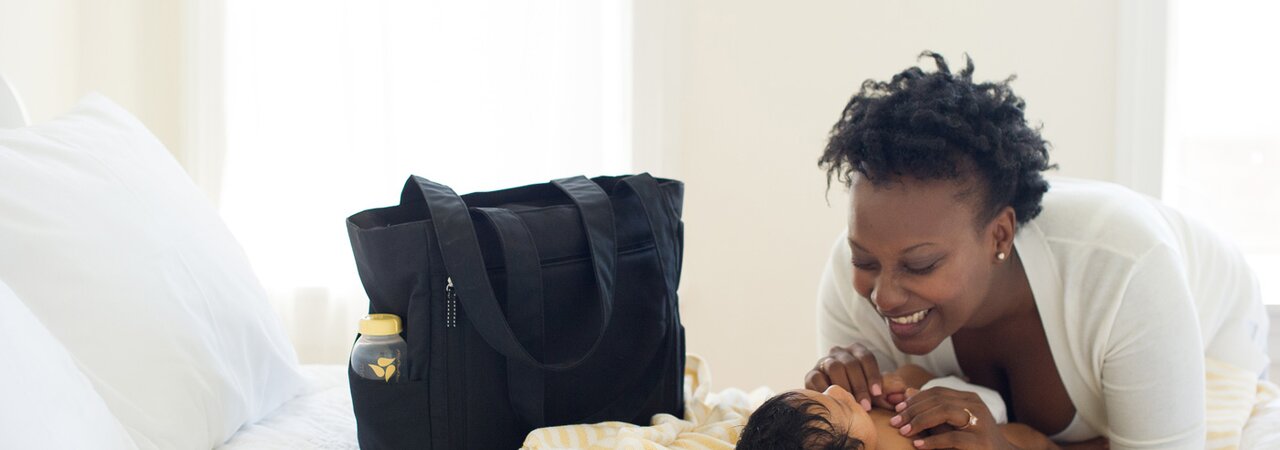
(940,125)
(792,421)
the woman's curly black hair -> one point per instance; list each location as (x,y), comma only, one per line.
(791,421)
(941,125)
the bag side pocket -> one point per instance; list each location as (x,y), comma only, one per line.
(390,415)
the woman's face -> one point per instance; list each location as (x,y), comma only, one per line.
(919,259)
(845,414)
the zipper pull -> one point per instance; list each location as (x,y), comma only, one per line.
(450,304)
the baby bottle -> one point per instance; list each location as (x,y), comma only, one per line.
(379,353)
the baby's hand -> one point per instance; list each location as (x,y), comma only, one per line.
(895,391)
(901,384)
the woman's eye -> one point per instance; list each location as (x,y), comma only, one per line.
(864,266)
(922,270)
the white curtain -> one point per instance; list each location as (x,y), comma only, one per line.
(1223,128)
(331,105)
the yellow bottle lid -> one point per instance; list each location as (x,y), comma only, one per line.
(380,325)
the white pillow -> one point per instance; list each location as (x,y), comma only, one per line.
(47,403)
(124,260)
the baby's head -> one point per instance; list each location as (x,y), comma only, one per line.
(804,419)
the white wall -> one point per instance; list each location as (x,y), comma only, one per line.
(758,84)
(734,97)
(55,51)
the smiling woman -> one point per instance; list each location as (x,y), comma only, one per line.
(1059,294)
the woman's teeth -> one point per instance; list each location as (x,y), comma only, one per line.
(910,318)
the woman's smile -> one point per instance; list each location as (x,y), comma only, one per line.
(909,325)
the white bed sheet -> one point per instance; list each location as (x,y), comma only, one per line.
(320,418)
(1263,429)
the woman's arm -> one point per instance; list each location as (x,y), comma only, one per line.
(1026,438)
(1153,362)
(1020,436)
(909,378)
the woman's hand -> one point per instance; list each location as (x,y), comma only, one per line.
(953,419)
(853,368)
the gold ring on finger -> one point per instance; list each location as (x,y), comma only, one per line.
(973,420)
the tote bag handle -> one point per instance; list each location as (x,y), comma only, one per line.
(525,302)
(460,249)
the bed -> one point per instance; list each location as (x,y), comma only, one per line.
(286,406)
(320,418)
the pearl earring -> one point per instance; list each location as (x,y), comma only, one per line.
(1000,256)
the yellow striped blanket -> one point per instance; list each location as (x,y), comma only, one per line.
(712,421)
(1233,395)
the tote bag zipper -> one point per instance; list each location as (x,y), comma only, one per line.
(450,304)
(454,371)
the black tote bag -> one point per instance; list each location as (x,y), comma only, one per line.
(535,306)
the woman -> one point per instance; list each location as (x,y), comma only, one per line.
(1088,307)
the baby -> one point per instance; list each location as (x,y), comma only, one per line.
(805,419)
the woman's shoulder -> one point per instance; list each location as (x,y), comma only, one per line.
(1099,217)
(1089,241)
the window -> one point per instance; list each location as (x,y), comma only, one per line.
(331,105)
(1222,153)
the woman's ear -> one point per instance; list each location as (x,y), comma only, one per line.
(1002,229)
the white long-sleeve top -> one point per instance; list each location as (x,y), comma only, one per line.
(1132,295)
